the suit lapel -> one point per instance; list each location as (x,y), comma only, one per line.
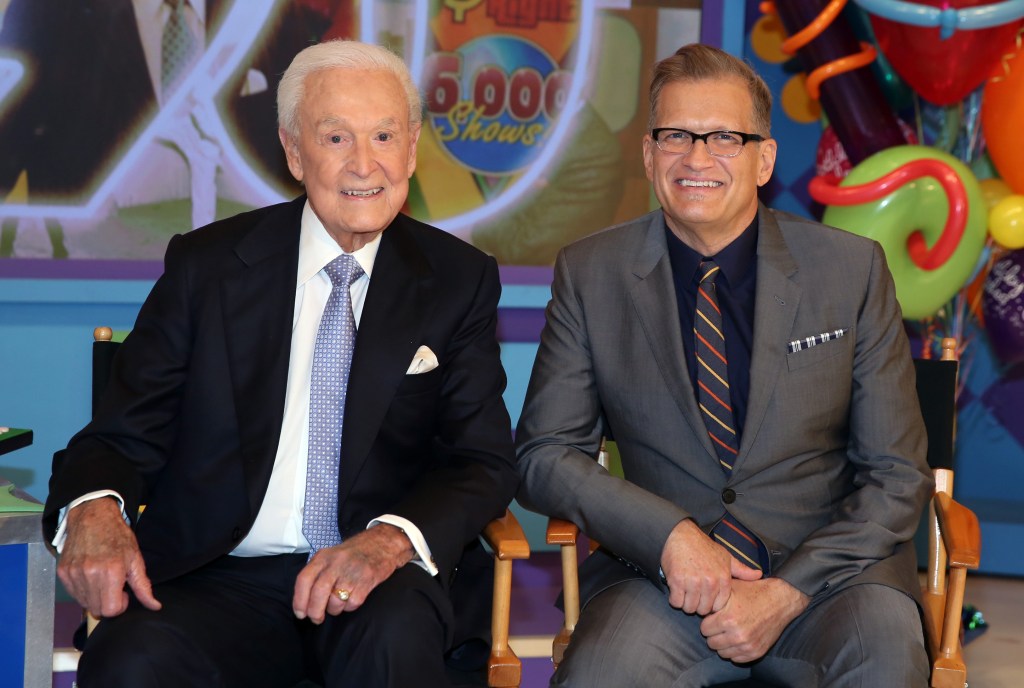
(654,298)
(259,301)
(778,297)
(400,299)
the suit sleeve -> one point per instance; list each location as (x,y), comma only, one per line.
(558,437)
(887,443)
(128,441)
(475,478)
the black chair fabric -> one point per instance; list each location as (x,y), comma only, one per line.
(936,390)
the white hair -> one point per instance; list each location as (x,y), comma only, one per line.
(339,54)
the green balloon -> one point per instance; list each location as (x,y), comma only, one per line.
(919,205)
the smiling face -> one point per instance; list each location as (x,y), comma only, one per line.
(708,201)
(355,151)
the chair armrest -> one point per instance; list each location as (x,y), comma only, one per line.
(505,536)
(960,532)
(561,532)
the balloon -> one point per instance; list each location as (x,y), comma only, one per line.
(853,101)
(1002,111)
(994,190)
(831,160)
(896,90)
(1003,304)
(1006,222)
(945,17)
(943,71)
(914,201)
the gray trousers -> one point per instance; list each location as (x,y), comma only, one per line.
(867,636)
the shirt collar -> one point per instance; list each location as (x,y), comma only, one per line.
(317,248)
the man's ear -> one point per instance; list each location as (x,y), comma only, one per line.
(769,149)
(649,145)
(414,139)
(291,153)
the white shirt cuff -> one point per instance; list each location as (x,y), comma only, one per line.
(419,545)
(62,535)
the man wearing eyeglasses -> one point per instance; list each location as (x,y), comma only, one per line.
(753,370)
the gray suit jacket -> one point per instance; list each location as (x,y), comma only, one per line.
(831,472)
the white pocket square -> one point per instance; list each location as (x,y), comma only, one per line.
(424,361)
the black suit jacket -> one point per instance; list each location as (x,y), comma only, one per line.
(190,423)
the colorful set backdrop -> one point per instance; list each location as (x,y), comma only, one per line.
(534,111)
(900,121)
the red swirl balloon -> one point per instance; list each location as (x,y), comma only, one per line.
(825,191)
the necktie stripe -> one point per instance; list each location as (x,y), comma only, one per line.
(710,301)
(713,350)
(723,445)
(729,524)
(713,373)
(718,420)
(715,396)
(738,552)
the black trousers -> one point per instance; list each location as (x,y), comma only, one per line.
(231,624)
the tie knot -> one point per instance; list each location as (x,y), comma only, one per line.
(708,271)
(343,270)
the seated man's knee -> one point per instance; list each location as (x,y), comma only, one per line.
(402,628)
(874,631)
(132,652)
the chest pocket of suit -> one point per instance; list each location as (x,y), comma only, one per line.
(419,384)
(821,352)
(820,379)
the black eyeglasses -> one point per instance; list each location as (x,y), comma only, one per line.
(723,144)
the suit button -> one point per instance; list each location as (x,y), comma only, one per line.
(236,534)
(728,496)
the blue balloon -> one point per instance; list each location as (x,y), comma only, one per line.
(949,20)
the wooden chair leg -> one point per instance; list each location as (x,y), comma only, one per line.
(504,670)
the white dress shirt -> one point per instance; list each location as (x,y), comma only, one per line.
(278,525)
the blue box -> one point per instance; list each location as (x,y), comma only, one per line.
(27,572)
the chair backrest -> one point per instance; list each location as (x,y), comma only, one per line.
(936,390)
(105,345)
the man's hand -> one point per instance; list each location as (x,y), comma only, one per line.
(699,571)
(100,554)
(753,618)
(358,565)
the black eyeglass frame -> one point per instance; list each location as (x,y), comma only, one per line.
(745,137)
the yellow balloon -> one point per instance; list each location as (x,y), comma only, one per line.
(1006,222)
(994,190)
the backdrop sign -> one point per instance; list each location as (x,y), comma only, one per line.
(531,133)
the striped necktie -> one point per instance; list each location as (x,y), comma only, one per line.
(328,387)
(715,402)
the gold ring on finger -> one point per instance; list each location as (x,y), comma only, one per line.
(343,594)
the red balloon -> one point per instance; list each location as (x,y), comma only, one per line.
(943,71)
(822,190)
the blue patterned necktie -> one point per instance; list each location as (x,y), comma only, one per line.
(332,360)
(715,401)
(179,48)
